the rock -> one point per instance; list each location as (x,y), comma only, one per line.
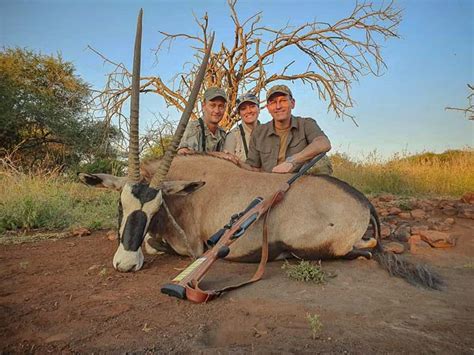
(416,245)
(80,232)
(445,204)
(112,235)
(403,233)
(442,227)
(405,215)
(383,212)
(394,210)
(449,221)
(425,205)
(466,211)
(438,239)
(386,198)
(468,197)
(418,213)
(392,222)
(385,231)
(394,247)
(418,228)
(449,211)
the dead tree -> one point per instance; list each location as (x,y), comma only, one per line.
(335,55)
(469,110)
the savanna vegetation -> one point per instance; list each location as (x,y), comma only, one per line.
(49,200)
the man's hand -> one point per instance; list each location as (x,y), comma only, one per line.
(284,167)
(182,151)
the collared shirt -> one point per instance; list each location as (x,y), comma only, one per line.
(234,144)
(192,138)
(265,144)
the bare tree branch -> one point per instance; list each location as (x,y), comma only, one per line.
(469,110)
(334,55)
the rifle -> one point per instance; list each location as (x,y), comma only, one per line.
(186,284)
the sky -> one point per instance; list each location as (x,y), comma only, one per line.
(401,111)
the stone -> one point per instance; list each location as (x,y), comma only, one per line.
(425,205)
(466,211)
(394,247)
(418,213)
(438,239)
(80,232)
(405,215)
(112,235)
(468,197)
(449,221)
(385,231)
(386,198)
(449,211)
(442,227)
(417,246)
(418,228)
(403,233)
(394,210)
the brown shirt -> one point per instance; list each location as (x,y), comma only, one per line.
(283,134)
(265,143)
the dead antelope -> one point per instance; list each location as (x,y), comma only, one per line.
(321,217)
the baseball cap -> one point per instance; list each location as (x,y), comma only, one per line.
(279,88)
(248,97)
(213,92)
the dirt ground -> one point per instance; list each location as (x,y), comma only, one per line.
(64,296)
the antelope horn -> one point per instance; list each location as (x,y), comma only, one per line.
(133,156)
(171,151)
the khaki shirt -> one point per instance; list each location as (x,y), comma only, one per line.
(192,138)
(265,144)
(234,144)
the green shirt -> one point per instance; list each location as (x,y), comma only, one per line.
(265,144)
(192,138)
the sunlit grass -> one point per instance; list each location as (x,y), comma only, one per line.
(447,174)
(51,202)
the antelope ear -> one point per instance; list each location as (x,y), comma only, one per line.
(181,188)
(103,181)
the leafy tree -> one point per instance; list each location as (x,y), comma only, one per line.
(44,117)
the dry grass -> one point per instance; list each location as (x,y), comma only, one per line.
(447,174)
(49,201)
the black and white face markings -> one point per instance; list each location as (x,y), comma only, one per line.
(138,204)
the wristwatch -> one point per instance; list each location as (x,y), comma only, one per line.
(291,160)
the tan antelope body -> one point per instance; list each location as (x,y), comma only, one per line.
(320,217)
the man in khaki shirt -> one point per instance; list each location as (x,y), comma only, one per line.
(238,139)
(204,135)
(284,144)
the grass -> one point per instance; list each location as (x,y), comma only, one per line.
(315,324)
(48,201)
(306,271)
(428,174)
(52,202)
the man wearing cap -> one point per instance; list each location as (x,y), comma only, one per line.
(204,134)
(284,144)
(238,139)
